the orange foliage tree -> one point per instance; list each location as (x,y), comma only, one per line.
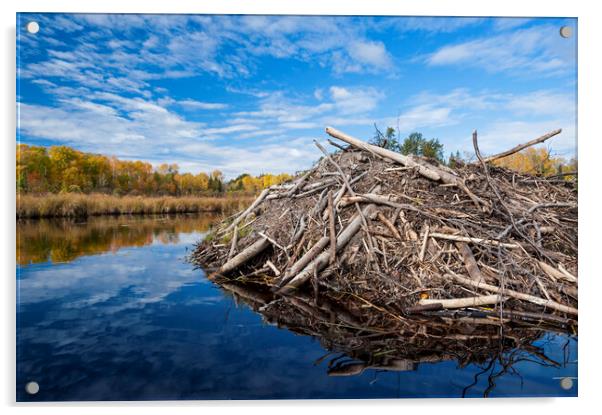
(64,169)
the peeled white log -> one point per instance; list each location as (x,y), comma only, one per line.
(515,294)
(556,274)
(383,152)
(431,172)
(464,302)
(246,254)
(322,260)
(459,238)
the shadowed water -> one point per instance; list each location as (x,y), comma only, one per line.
(108,309)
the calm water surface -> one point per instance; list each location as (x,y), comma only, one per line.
(108,309)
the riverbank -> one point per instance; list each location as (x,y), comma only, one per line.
(83,205)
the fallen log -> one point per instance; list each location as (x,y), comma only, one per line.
(483,241)
(555,274)
(464,302)
(322,260)
(431,172)
(304,260)
(246,254)
(514,294)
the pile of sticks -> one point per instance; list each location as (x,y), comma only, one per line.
(389,237)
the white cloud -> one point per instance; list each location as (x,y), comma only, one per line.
(355,100)
(535,50)
(230,129)
(437,24)
(185,46)
(542,103)
(507,23)
(370,53)
(190,103)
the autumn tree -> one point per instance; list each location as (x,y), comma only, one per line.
(537,161)
(64,169)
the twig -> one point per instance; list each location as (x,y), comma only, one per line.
(522,146)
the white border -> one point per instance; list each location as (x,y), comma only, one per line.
(590,155)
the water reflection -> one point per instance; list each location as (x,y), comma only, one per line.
(354,345)
(63,240)
(137,322)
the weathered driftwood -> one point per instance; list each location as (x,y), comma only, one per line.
(305,259)
(522,146)
(482,241)
(245,255)
(469,262)
(429,171)
(464,302)
(556,274)
(331,229)
(511,293)
(322,260)
(234,244)
(391,155)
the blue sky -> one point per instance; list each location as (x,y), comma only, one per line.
(250,93)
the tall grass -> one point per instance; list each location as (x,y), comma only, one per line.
(82,205)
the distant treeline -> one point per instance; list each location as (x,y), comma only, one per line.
(59,169)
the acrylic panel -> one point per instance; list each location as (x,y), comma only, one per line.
(295,207)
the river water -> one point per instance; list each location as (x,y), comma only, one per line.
(108,309)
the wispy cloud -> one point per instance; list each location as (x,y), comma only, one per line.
(437,24)
(185,46)
(250,93)
(535,50)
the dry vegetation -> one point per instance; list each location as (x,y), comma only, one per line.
(82,205)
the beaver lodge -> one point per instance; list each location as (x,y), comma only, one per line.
(399,257)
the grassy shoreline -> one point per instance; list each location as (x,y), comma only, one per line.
(83,205)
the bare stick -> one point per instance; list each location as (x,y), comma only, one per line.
(234,243)
(425,239)
(299,183)
(469,262)
(357,206)
(554,274)
(322,260)
(459,238)
(389,225)
(430,172)
(273,242)
(273,267)
(250,209)
(391,155)
(331,228)
(246,254)
(305,259)
(522,146)
(464,302)
(514,294)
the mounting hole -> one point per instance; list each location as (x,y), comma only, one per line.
(566,31)
(32,388)
(33,27)
(566,383)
